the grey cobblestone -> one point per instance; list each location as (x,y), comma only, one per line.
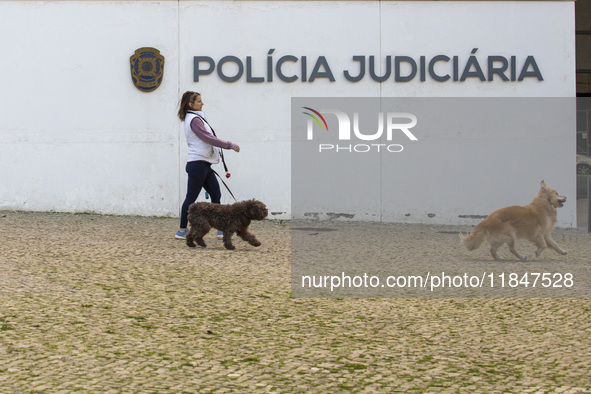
(114,304)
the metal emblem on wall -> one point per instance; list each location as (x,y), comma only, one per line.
(147,69)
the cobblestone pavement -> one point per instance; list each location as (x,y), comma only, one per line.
(115,304)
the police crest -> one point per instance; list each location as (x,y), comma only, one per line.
(147,69)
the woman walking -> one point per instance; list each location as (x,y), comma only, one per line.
(203,152)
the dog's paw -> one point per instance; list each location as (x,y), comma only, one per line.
(563,252)
(230,247)
(524,257)
(257,243)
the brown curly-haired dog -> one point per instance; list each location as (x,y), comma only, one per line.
(231,218)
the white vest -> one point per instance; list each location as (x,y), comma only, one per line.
(199,149)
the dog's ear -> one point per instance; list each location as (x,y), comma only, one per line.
(543,184)
(250,209)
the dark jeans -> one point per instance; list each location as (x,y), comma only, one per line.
(200,176)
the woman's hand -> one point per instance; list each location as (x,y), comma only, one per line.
(237,149)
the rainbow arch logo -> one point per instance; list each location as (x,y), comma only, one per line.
(315,116)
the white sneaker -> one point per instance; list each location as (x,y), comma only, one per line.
(220,234)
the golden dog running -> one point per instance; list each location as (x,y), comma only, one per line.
(533,222)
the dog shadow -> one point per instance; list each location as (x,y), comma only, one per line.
(238,249)
(515,261)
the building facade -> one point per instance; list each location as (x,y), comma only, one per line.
(78,135)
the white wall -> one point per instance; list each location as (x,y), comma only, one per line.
(76,135)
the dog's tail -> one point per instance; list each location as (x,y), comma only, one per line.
(474,239)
